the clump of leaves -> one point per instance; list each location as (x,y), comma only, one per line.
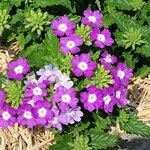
(4,16)
(14,92)
(36,20)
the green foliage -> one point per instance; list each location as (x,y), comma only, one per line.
(143,72)
(14,92)
(4,16)
(131,124)
(83,31)
(2,80)
(36,20)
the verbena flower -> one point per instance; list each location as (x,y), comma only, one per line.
(92,18)
(42,112)
(92,98)
(71,116)
(101,38)
(62,26)
(83,65)
(121,74)
(18,68)
(108,99)
(37,91)
(70,44)
(120,95)
(66,98)
(25,116)
(30,100)
(7,116)
(2,97)
(107,60)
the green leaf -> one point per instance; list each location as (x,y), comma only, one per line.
(135,126)
(21,40)
(2,80)
(103,140)
(143,72)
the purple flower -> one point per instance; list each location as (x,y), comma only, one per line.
(70,44)
(120,95)
(2,98)
(65,98)
(30,100)
(37,91)
(7,116)
(108,99)
(92,98)
(92,18)
(121,74)
(101,38)
(107,60)
(83,65)
(55,122)
(71,116)
(62,26)
(18,68)
(25,116)
(42,112)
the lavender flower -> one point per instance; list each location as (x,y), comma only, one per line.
(92,18)
(70,44)
(37,91)
(7,116)
(83,65)
(30,100)
(62,26)
(25,116)
(107,60)
(92,98)
(121,74)
(42,112)
(18,68)
(65,98)
(101,38)
(2,98)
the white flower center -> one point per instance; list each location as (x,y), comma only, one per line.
(70,44)
(42,112)
(55,120)
(118,94)
(83,66)
(108,59)
(66,98)
(107,99)
(31,102)
(62,27)
(101,37)
(6,115)
(37,91)
(92,98)
(18,69)
(121,74)
(27,115)
(92,19)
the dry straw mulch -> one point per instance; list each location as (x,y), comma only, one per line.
(22,138)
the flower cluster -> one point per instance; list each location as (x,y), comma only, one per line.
(40,105)
(94,97)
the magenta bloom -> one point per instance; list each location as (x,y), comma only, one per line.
(30,100)
(122,74)
(92,98)
(108,99)
(101,38)
(42,112)
(65,98)
(107,60)
(92,18)
(18,68)
(25,116)
(7,116)
(37,91)
(83,65)
(70,44)
(2,98)
(62,26)
(120,95)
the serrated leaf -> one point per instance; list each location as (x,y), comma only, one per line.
(143,72)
